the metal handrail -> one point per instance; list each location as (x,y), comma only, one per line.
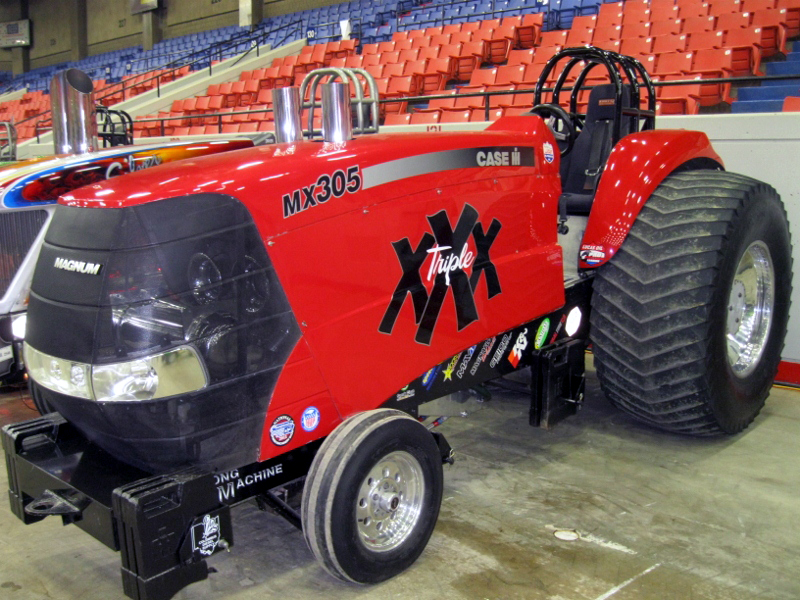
(485,94)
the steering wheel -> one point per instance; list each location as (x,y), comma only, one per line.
(560,123)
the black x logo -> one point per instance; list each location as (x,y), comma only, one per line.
(448,242)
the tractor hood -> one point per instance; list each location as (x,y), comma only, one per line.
(166,304)
(288,186)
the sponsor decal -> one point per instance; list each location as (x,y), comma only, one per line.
(206,535)
(405,394)
(519,346)
(499,158)
(448,249)
(462,368)
(446,160)
(541,333)
(282,430)
(549,154)
(6,352)
(592,254)
(287,152)
(429,377)
(501,348)
(228,482)
(448,372)
(482,356)
(310,419)
(131,164)
(77,266)
(558,328)
(336,185)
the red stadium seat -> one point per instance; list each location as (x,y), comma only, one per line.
(773,26)
(452,116)
(635,30)
(666,27)
(582,31)
(706,39)
(397,119)
(609,14)
(520,57)
(479,115)
(692,8)
(669,43)
(721,7)
(791,104)
(746,44)
(424,117)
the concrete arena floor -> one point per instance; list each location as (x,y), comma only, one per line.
(657,516)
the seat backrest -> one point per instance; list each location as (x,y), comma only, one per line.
(594,142)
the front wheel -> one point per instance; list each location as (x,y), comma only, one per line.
(372,496)
(689,317)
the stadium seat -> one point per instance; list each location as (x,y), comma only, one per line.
(452,116)
(721,7)
(397,119)
(419,118)
(666,27)
(791,104)
(706,39)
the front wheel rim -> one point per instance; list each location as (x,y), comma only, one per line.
(389,501)
(749,312)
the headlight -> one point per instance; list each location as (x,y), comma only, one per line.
(57,374)
(204,278)
(176,371)
(18,324)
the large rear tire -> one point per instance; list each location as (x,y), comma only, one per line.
(689,317)
(372,496)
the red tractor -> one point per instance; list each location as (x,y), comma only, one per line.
(276,316)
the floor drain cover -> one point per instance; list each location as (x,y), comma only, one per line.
(567,535)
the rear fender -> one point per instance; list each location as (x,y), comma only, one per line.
(636,167)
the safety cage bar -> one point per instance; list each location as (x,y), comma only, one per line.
(617,65)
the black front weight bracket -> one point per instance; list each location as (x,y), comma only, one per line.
(164,526)
(557,382)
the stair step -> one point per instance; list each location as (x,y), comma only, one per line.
(771,92)
(756,106)
(783,68)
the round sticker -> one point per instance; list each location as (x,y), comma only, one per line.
(282,430)
(310,419)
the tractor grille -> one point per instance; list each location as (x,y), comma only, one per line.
(18,230)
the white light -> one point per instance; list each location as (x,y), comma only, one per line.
(573,321)
(18,325)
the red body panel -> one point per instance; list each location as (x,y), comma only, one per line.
(622,191)
(497,182)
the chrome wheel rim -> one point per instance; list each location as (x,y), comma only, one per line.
(750,304)
(389,502)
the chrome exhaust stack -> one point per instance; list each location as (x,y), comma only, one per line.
(287,109)
(73,110)
(337,124)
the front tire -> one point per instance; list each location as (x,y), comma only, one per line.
(372,496)
(689,317)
